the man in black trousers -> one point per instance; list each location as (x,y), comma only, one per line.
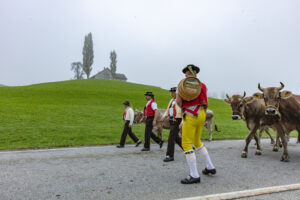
(128,118)
(150,112)
(174,113)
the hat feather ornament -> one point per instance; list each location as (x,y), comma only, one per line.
(189,88)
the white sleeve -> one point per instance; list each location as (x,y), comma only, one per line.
(154,106)
(131,116)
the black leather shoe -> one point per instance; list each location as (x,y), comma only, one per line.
(145,149)
(138,143)
(168,159)
(120,146)
(161,144)
(190,180)
(209,171)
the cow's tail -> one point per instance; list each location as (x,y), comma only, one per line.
(216,128)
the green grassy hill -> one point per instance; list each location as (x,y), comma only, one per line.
(85,112)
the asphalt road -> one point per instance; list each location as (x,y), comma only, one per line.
(110,173)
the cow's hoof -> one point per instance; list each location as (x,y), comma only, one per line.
(244,154)
(258,152)
(280,145)
(285,158)
(275,149)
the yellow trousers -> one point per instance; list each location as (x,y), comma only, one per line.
(192,131)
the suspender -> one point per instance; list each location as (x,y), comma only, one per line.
(193,112)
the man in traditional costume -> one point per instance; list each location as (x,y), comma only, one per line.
(194,113)
(150,112)
(128,118)
(174,113)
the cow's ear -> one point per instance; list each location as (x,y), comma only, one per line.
(285,94)
(227,101)
(258,95)
(249,99)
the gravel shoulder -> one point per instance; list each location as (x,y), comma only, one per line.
(109,173)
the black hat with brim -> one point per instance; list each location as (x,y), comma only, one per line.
(149,94)
(194,68)
(173,89)
(127,103)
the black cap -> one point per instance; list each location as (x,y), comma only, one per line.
(194,68)
(126,103)
(173,89)
(149,94)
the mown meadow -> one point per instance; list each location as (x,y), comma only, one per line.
(85,112)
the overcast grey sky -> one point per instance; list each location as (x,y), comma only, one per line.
(236,43)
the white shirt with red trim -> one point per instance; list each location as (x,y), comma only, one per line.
(172,108)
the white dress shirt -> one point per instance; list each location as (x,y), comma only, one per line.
(129,115)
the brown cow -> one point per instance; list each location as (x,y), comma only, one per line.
(252,111)
(278,142)
(283,111)
(297,97)
(166,124)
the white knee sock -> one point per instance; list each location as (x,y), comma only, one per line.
(191,160)
(207,160)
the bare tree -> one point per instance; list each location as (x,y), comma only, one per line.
(77,68)
(88,55)
(113,63)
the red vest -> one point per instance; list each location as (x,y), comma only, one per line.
(173,107)
(174,110)
(148,110)
(200,100)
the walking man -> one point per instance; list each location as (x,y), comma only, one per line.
(174,113)
(193,120)
(150,112)
(128,117)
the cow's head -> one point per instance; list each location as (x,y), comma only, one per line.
(138,116)
(237,103)
(272,97)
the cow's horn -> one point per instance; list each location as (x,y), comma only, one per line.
(244,95)
(282,86)
(228,97)
(260,88)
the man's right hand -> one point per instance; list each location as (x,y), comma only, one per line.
(180,126)
(162,119)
